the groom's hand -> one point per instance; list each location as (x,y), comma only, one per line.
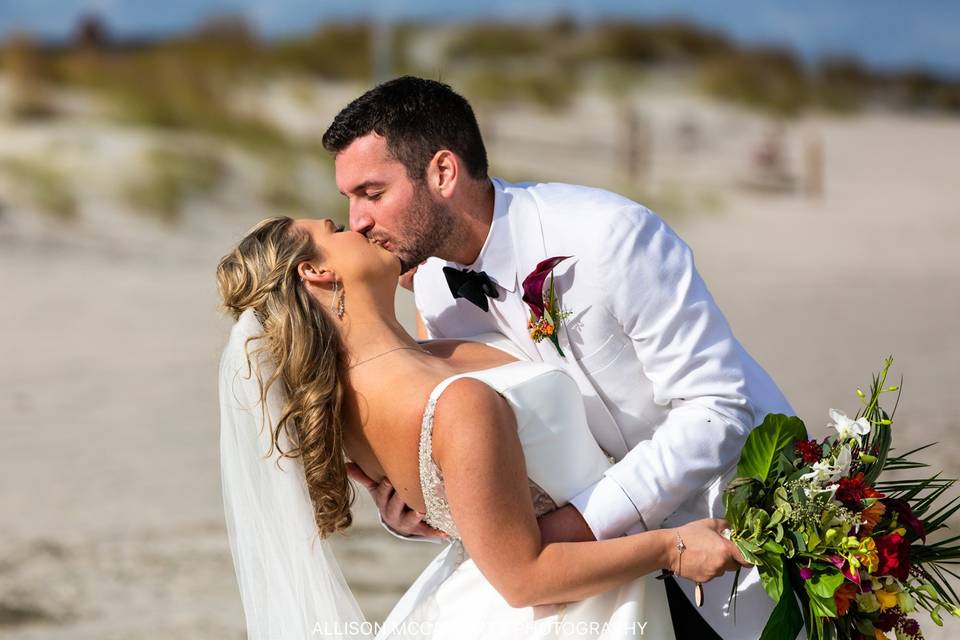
(393,510)
(406,279)
(564,525)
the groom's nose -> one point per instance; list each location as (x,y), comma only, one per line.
(360,221)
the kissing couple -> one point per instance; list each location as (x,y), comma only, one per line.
(563,425)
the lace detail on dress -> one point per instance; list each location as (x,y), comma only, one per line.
(431,481)
(542,502)
(438,513)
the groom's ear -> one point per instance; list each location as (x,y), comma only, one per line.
(314,274)
(443,172)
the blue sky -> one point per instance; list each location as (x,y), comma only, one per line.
(885,33)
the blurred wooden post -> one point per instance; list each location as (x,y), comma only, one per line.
(633,143)
(22,60)
(813,167)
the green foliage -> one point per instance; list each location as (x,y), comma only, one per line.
(336,51)
(181,84)
(786,621)
(496,41)
(770,80)
(42,185)
(171,177)
(548,86)
(763,447)
(656,42)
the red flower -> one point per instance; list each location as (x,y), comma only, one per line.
(533,284)
(853,490)
(809,450)
(894,552)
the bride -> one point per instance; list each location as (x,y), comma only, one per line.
(318,372)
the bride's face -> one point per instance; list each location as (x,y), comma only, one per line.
(348,253)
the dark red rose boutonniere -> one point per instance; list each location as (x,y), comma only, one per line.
(545,311)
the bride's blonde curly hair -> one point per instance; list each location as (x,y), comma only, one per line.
(301,340)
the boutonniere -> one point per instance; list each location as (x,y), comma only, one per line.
(545,311)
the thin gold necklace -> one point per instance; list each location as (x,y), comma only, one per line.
(357,364)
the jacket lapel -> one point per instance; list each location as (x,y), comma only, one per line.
(529,246)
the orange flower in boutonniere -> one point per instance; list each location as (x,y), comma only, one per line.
(545,311)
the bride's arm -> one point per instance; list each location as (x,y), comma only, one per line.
(476,445)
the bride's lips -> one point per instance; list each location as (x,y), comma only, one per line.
(383,247)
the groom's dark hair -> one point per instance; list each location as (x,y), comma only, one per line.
(417,117)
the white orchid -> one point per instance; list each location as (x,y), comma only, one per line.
(848,429)
(826,471)
(844,458)
(820,472)
(811,491)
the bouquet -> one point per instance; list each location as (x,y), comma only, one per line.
(842,549)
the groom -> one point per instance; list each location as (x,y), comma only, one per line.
(670,393)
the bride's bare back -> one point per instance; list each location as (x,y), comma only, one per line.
(384,413)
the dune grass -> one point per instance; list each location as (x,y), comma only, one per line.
(41,186)
(172,177)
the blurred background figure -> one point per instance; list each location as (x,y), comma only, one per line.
(807,154)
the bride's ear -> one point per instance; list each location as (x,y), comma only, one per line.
(315,275)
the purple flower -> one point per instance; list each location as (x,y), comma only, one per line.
(888,620)
(841,563)
(806,573)
(533,284)
(910,627)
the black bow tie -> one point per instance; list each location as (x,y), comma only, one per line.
(475,286)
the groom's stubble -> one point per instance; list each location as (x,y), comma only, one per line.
(430,228)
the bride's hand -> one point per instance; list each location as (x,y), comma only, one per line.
(707,553)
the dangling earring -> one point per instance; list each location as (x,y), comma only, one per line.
(341,309)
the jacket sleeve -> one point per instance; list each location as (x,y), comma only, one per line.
(694,363)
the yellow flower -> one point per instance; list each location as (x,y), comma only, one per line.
(886,599)
(879,635)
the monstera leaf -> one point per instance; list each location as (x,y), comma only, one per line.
(765,444)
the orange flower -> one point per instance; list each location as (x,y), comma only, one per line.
(843,596)
(871,516)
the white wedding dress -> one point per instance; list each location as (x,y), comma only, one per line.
(292,587)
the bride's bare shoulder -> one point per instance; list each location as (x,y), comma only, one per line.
(468,413)
(467,353)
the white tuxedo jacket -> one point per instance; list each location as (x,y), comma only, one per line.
(670,393)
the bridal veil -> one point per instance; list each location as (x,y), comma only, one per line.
(290,583)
